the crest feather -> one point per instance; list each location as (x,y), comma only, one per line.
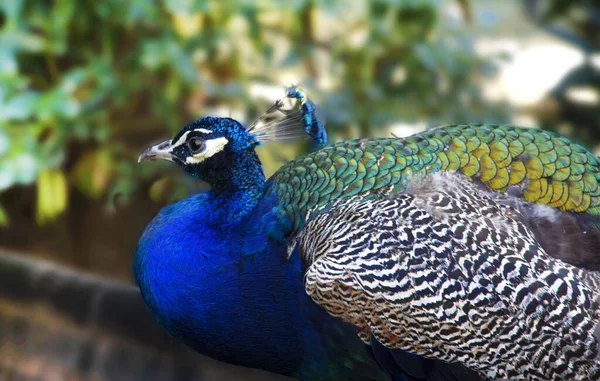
(291,117)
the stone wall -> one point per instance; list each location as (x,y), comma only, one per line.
(58,324)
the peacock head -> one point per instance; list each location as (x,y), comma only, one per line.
(207,148)
(221,152)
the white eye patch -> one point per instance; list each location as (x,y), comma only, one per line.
(183,138)
(213,146)
(203,130)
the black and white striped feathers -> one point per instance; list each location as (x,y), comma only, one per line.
(450,271)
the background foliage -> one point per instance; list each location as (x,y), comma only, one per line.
(86,85)
(578,23)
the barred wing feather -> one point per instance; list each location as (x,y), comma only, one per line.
(449,271)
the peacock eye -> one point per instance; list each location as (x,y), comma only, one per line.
(196,145)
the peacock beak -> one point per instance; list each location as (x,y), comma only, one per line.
(158,151)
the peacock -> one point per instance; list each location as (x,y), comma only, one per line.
(466,252)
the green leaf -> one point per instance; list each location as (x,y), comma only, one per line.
(51,195)
(92,173)
(4,221)
(19,107)
(12,11)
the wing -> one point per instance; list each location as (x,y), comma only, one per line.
(531,165)
(448,271)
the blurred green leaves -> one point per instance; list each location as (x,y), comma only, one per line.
(51,195)
(92,173)
(85,85)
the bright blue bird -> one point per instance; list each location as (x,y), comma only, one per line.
(423,258)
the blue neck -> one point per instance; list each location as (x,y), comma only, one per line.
(208,288)
(197,269)
(237,185)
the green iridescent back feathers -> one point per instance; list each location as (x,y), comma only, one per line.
(542,167)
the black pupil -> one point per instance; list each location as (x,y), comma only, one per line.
(195,145)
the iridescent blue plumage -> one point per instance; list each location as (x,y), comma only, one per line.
(227,292)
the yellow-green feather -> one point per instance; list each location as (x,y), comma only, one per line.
(546,168)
